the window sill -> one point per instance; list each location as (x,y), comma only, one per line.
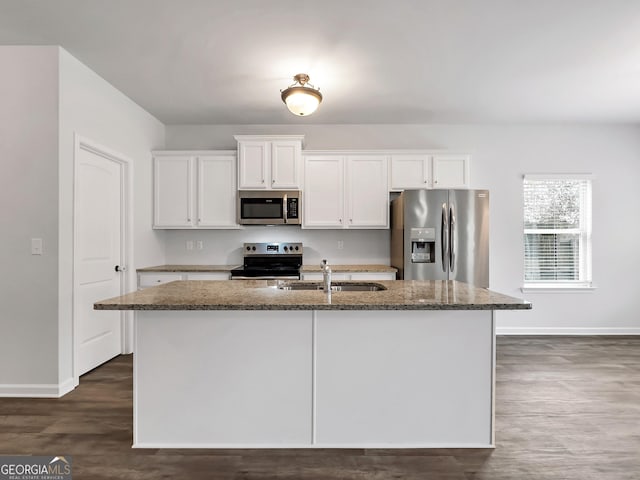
(558,288)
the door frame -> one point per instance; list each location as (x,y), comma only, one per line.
(126,239)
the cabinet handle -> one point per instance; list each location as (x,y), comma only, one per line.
(340,220)
(351,220)
(188,219)
(273,181)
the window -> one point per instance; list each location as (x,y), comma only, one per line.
(557,231)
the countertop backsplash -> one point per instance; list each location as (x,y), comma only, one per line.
(225,246)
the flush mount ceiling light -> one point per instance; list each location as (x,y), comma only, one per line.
(301,97)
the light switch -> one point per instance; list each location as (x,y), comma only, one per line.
(36,246)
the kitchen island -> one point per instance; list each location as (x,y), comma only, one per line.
(245,364)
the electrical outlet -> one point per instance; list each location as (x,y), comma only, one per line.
(340,244)
(199,244)
(189,244)
(36,246)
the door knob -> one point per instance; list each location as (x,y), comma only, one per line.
(120,269)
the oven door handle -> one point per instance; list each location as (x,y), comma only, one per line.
(268,277)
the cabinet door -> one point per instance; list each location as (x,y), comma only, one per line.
(173,192)
(451,171)
(285,164)
(367,192)
(217,193)
(253,164)
(323,203)
(409,171)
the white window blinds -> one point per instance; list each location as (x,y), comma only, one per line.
(557,230)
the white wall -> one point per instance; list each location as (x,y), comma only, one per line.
(223,247)
(95,110)
(500,156)
(28,208)
(47,97)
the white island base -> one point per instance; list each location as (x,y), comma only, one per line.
(314,379)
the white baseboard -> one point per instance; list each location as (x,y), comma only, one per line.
(37,390)
(568,331)
(309,446)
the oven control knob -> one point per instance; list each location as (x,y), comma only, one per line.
(253,248)
(286,248)
(297,248)
(248,248)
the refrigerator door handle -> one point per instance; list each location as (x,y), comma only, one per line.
(452,229)
(444,237)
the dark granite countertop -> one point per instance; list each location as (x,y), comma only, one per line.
(264,295)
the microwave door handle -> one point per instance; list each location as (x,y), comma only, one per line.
(284,208)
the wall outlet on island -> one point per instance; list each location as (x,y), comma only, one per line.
(199,244)
(189,244)
(340,244)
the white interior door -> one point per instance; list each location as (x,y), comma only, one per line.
(98,249)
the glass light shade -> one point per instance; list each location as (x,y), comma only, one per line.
(301,101)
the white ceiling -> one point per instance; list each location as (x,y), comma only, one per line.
(375,61)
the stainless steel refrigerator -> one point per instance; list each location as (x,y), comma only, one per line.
(441,235)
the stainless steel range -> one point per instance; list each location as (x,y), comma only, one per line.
(270,261)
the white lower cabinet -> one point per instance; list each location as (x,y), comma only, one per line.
(308,379)
(151,279)
(207,276)
(403,379)
(355,276)
(146,280)
(227,379)
(345,191)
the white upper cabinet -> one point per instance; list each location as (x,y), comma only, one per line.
(427,170)
(345,191)
(450,171)
(367,192)
(410,171)
(194,190)
(269,162)
(217,193)
(173,191)
(253,162)
(323,194)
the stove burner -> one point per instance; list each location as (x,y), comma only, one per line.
(270,261)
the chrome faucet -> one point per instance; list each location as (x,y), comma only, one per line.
(326,276)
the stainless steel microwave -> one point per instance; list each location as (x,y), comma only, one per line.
(270,207)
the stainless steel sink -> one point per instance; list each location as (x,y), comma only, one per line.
(335,286)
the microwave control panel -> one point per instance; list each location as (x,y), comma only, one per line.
(292,207)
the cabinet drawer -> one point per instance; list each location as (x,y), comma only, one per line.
(151,279)
(373,276)
(209,276)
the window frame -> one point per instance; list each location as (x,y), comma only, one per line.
(585,232)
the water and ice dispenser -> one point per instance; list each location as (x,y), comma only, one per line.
(423,245)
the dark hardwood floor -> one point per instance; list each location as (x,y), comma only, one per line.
(566,408)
